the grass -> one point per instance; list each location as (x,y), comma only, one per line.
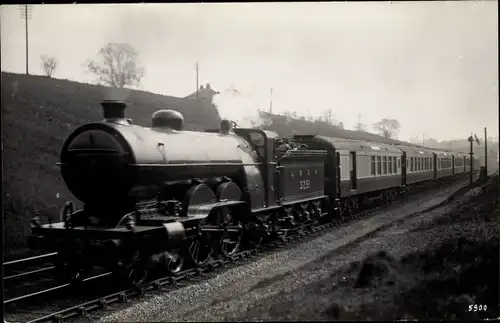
(38,113)
(446,277)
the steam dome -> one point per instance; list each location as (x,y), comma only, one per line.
(168,119)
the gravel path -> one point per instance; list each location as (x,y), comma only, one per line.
(272,287)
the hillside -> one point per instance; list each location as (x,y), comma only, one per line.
(38,113)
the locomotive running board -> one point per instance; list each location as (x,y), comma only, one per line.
(58,230)
(196,212)
(307,199)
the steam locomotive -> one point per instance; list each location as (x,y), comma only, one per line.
(163,197)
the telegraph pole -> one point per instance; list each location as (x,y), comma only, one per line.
(26,15)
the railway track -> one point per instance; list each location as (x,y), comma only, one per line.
(85,303)
(192,275)
(36,265)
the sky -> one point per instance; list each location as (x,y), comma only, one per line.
(431,65)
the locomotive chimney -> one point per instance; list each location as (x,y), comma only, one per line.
(113,109)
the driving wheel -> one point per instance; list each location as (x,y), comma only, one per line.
(232,234)
(200,247)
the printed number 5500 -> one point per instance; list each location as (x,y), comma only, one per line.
(476,308)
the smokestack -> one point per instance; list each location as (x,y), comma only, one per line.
(113,109)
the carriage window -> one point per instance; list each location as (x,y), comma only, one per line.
(373,165)
(411,164)
(389,165)
(399,163)
(385,165)
(379,165)
(394,168)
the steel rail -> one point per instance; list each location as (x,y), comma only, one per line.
(52,289)
(23,260)
(36,271)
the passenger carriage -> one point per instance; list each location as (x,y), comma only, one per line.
(443,166)
(356,167)
(417,164)
(459,163)
(467,162)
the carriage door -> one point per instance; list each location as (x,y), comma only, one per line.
(404,167)
(352,169)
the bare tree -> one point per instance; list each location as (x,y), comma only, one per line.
(328,116)
(117,65)
(388,128)
(49,65)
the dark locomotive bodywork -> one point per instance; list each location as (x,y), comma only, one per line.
(152,194)
(116,160)
(159,190)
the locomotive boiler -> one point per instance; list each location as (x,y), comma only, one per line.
(162,195)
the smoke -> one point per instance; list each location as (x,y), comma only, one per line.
(113,93)
(235,106)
